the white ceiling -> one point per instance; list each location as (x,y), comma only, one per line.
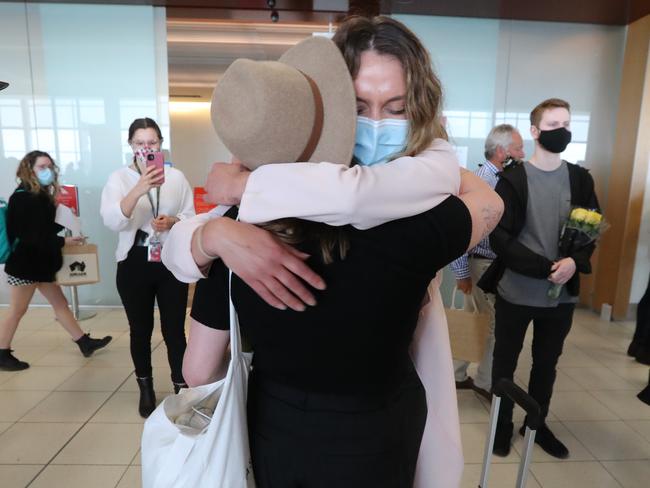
(200,51)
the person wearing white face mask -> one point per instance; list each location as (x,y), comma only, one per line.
(142,208)
(36,256)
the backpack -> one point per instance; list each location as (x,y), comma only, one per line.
(6,247)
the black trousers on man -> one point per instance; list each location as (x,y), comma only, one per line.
(550,328)
(642,331)
(139,283)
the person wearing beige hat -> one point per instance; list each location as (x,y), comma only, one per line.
(365,315)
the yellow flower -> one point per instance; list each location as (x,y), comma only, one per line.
(579,214)
(593,218)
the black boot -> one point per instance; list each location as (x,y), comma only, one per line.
(644,396)
(178,386)
(502,438)
(9,362)
(545,439)
(633,349)
(643,355)
(88,345)
(147,397)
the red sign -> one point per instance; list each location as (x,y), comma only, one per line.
(200,205)
(69,196)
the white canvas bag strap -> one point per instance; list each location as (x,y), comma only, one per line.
(183,444)
(453,300)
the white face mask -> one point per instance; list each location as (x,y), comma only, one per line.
(377,141)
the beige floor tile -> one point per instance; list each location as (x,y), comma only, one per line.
(91,378)
(473,439)
(62,356)
(39,378)
(4,426)
(500,475)
(25,443)
(610,441)
(632,374)
(598,379)
(112,357)
(573,475)
(15,404)
(102,444)
(17,476)
(563,382)
(610,357)
(572,357)
(630,474)
(122,408)
(470,408)
(6,375)
(67,406)
(577,451)
(79,477)
(640,426)
(137,461)
(131,479)
(574,405)
(625,403)
(44,337)
(32,354)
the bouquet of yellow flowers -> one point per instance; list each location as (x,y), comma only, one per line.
(582,228)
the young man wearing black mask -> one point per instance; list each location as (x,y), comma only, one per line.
(538,196)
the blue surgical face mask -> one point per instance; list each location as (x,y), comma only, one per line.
(45,176)
(378,140)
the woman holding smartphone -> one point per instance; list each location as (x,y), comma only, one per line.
(142,202)
(36,256)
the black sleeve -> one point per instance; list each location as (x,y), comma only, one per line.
(503,239)
(210,304)
(451,224)
(30,220)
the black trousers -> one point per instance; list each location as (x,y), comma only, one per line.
(550,328)
(642,331)
(139,283)
(303,440)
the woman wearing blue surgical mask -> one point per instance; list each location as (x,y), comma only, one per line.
(36,256)
(398,103)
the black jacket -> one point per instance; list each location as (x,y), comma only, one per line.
(30,219)
(513,189)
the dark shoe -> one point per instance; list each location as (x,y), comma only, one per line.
(643,355)
(467,384)
(178,386)
(633,349)
(9,362)
(545,439)
(88,345)
(484,393)
(644,396)
(502,439)
(147,397)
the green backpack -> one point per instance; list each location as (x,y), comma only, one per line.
(5,246)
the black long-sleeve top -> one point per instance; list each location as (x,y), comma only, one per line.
(37,255)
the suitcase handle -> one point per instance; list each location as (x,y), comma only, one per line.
(505,387)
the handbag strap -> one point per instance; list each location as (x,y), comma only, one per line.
(235,333)
(453,300)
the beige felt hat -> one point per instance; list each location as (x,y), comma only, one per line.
(300,108)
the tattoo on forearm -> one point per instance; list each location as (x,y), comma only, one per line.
(491,216)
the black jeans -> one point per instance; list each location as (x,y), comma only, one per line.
(139,282)
(550,328)
(642,331)
(304,440)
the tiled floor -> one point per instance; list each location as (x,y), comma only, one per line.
(73,422)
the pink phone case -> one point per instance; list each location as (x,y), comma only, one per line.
(158,160)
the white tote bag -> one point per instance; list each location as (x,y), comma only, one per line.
(215,456)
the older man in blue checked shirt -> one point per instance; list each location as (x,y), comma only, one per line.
(503,143)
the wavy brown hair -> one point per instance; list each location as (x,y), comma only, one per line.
(423,88)
(27,177)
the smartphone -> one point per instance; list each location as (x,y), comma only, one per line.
(157,159)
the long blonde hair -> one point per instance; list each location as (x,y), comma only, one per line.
(27,177)
(423,88)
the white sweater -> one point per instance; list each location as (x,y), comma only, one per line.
(176,200)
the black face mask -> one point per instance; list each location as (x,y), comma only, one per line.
(556,140)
